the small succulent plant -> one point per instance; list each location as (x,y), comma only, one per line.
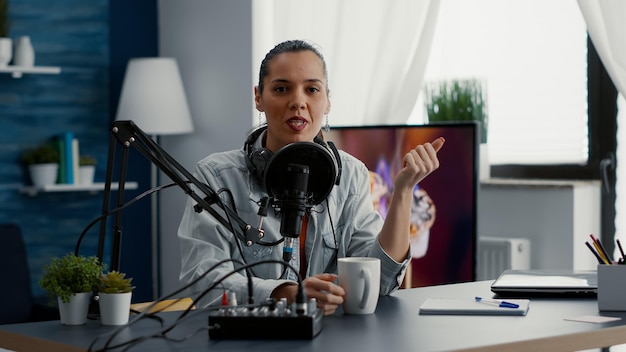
(85,160)
(115,282)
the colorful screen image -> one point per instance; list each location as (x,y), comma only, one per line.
(443,216)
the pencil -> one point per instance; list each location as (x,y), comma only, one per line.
(600,249)
(604,252)
(605,260)
(600,260)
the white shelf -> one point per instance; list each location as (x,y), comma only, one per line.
(93,188)
(18,71)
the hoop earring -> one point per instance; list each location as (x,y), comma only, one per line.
(326,126)
(260,117)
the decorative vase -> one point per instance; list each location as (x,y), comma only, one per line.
(43,174)
(75,312)
(114,308)
(6,51)
(24,52)
(86,174)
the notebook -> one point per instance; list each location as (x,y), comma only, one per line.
(537,283)
(467,306)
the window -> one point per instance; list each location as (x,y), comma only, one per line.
(533,56)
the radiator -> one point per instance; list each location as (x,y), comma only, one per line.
(496,254)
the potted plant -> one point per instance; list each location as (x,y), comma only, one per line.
(43,164)
(69,281)
(114,296)
(86,169)
(461,100)
(458,100)
(6,43)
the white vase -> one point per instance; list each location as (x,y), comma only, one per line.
(6,51)
(24,52)
(75,312)
(85,174)
(114,308)
(43,174)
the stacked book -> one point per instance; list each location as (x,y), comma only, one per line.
(68,164)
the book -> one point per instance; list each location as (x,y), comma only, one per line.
(462,306)
(62,162)
(68,137)
(75,160)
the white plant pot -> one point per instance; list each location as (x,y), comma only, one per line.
(86,174)
(114,308)
(75,312)
(43,174)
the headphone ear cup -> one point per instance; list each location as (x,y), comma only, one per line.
(257,163)
(337,158)
(256,159)
(334,154)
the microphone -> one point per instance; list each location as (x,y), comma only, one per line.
(299,176)
(294,204)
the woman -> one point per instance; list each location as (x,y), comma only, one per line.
(293,94)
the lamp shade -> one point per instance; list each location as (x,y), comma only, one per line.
(153,97)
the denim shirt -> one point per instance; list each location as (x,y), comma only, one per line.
(346,225)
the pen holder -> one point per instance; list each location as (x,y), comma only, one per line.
(611,285)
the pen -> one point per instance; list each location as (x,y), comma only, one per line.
(619,245)
(503,304)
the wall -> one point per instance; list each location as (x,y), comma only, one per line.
(133,33)
(557,217)
(212,41)
(74,35)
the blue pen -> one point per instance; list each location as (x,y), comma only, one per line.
(503,304)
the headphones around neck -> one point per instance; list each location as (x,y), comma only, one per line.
(258,158)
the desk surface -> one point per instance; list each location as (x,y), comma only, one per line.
(396,324)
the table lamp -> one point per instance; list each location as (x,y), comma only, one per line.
(153,97)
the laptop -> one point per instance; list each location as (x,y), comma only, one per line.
(548,283)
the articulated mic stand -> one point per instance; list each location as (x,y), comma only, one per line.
(129,136)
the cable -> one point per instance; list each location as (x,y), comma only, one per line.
(115,210)
(148,310)
(332,226)
(249,272)
(300,299)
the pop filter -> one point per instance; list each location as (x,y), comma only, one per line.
(322,171)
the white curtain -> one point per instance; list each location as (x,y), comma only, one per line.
(606,24)
(376,50)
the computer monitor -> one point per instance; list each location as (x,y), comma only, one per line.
(444,215)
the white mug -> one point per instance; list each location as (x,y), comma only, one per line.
(360,278)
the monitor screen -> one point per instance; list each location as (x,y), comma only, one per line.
(443,216)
